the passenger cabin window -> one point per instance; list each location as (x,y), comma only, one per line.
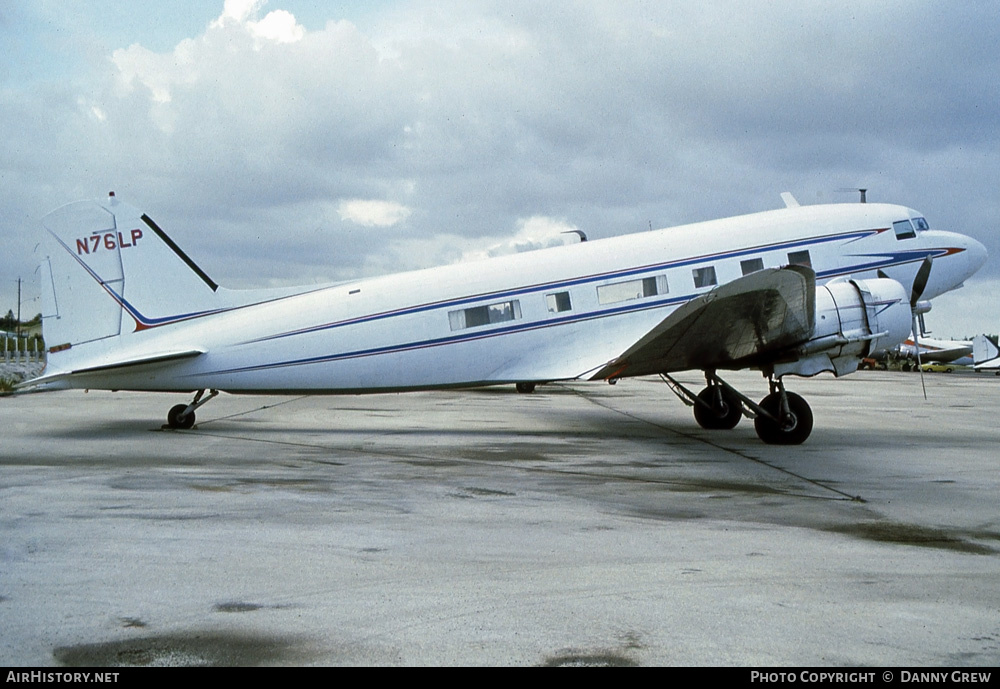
(751,265)
(799,258)
(632,289)
(704,277)
(485,315)
(904,230)
(558,302)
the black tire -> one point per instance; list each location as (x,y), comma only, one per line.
(177,419)
(525,388)
(794,431)
(723,418)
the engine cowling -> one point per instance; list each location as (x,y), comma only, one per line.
(854,319)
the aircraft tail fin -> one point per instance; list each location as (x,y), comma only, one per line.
(984,351)
(109,270)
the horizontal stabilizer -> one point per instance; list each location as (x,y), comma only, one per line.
(156,358)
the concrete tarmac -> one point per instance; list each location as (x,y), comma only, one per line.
(579,525)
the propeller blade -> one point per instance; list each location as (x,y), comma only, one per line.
(916,346)
(920,281)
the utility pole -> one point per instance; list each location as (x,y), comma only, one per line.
(19,309)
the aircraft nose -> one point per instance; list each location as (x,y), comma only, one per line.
(970,259)
(976,254)
(963,257)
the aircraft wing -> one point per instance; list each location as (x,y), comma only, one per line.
(741,323)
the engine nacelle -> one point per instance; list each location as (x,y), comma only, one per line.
(854,319)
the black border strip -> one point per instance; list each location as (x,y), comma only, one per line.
(177,250)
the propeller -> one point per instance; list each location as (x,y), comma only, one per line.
(917,291)
(920,281)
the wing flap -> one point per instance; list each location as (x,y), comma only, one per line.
(732,326)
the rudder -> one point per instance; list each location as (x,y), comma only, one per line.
(983,350)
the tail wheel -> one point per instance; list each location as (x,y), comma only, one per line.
(525,388)
(790,429)
(722,413)
(176,418)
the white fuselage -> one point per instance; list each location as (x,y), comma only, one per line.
(943,351)
(552,314)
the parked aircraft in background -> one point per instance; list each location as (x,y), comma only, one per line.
(931,350)
(800,290)
(985,355)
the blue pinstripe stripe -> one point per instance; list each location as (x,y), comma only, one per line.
(896,258)
(565,284)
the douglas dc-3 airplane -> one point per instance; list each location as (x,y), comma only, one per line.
(800,290)
(938,351)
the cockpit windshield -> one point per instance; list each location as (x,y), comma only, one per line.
(907,229)
(903,229)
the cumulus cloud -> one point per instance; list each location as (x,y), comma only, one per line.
(536,232)
(433,130)
(239,11)
(373,213)
(279,26)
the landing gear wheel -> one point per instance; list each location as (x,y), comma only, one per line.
(723,413)
(793,428)
(176,418)
(525,388)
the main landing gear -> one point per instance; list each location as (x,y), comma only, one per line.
(181,416)
(781,418)
(784,418)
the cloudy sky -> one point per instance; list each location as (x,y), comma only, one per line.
(305,141)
